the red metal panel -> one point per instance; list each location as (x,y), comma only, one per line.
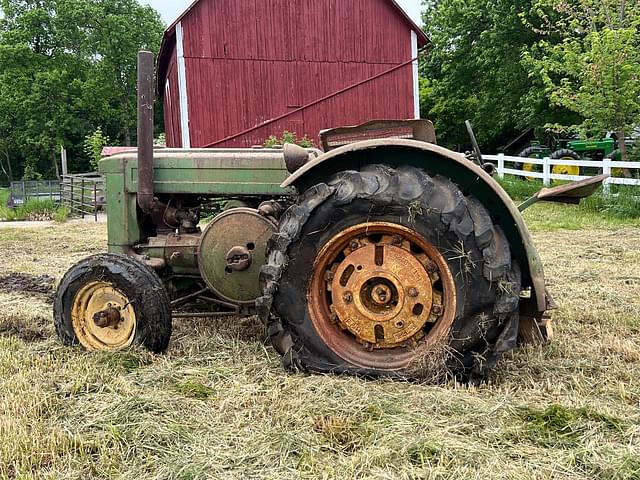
(250,61)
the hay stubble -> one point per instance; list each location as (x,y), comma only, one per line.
(218,404)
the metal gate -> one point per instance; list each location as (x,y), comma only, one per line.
(84,195)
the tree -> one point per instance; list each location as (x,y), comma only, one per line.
(595,69)
(68,67)
(474,71)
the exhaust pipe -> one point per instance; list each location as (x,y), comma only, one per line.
(146,98)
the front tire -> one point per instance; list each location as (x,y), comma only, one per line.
(565,154)
(450,276)
(111,302)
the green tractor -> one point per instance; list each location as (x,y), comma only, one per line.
(595,150)
(381,257)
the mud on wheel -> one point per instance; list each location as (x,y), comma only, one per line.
(111,302)
(376,269)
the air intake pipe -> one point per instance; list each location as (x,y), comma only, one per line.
(146,98)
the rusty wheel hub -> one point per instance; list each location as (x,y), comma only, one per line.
(103,317)
(380,292)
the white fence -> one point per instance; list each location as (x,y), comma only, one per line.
(606,166)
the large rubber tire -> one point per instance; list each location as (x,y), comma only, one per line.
(139,283)
(565,153)
(526,153)
(487,315)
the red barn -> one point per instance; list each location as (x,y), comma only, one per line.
(234,72)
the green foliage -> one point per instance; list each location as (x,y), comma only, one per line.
(160,140)
(33,210)
(624,202)
(30,172)
(194,389)
(474,71)
(559,426)
(93,145)
(288,137)
(520,188)
(67,67)
(61,214)
(589,61)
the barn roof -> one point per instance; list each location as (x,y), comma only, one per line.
(169,36)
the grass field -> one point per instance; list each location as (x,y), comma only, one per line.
(218,405)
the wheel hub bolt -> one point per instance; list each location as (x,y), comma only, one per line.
(329,276)
(413,292)
(354,245)
(347,297)
(397,240)
(437,309)
(381,294)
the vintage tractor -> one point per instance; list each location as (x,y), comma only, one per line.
(595,150)
(369,258)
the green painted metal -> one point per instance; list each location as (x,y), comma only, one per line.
(208,172)
(438,161)
(240,227)
(123,227)
(583,148)
(263,173)
(606,146)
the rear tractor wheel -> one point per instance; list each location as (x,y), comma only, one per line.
(391,272)
(565,154)
(529,152)
(111,302)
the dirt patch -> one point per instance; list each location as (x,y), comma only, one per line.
(29,284)
(32,330)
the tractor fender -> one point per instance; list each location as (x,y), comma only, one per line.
(437,160)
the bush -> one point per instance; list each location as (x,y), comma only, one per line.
(34,210)
(288,137)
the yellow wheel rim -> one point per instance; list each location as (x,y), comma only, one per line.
(529,167)
(566,169)
(103,317)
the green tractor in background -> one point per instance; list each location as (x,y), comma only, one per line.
(595,150)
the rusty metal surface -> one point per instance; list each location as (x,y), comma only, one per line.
(438,160)
(381,294)
(103,317)
(420,130)
(572,192)
(231,252)
(146,99)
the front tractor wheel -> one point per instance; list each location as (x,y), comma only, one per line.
(391,272)
(112,302)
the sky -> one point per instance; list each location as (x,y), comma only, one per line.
(171,9)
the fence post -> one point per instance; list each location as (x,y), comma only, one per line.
(501,165)
(71,204)
(95,201)
(546,171)
(606,170)
(82,198)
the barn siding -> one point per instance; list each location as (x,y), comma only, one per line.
(171,100)
(249,61)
